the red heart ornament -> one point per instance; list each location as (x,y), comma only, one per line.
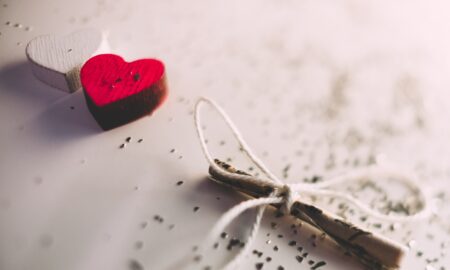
(118,92)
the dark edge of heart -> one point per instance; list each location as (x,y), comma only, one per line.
(130,108)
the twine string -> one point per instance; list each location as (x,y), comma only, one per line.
(286,194)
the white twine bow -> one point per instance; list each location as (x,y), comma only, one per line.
(289,192)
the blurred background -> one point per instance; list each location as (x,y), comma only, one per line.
(317,88)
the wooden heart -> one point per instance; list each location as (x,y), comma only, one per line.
(118,92)
(57,60)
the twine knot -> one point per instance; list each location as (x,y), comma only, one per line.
(288,195)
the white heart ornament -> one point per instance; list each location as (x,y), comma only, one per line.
(57,61)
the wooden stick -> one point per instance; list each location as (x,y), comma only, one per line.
(372,249)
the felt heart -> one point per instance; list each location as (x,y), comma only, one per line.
(57,60)
(118,92)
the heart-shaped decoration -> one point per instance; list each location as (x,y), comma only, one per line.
(118,92)
(57,60)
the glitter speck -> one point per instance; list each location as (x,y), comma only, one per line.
(259,265)
(139,245)
(135,265)
(38,180)
(46,241)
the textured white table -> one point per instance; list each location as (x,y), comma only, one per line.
(317,87)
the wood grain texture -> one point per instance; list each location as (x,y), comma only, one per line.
(57,61)
(118,92)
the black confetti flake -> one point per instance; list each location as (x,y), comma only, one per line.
(259,265)
(135,265)
(318,264)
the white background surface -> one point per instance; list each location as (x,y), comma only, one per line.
(304,80)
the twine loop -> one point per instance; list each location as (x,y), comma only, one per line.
(286,194)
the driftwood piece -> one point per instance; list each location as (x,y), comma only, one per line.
(374,250)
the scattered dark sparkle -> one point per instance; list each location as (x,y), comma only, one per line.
(318,264)
(224,235)
(139,244)
(144,224)
(299,258)
(135,265)
(140,140)
(292,243)
(136,77)
(46,241)
(232,243)
(259,265)
(122,145)
(196,208)
(179,183)
(198,258)
(128,139)
(158,218)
